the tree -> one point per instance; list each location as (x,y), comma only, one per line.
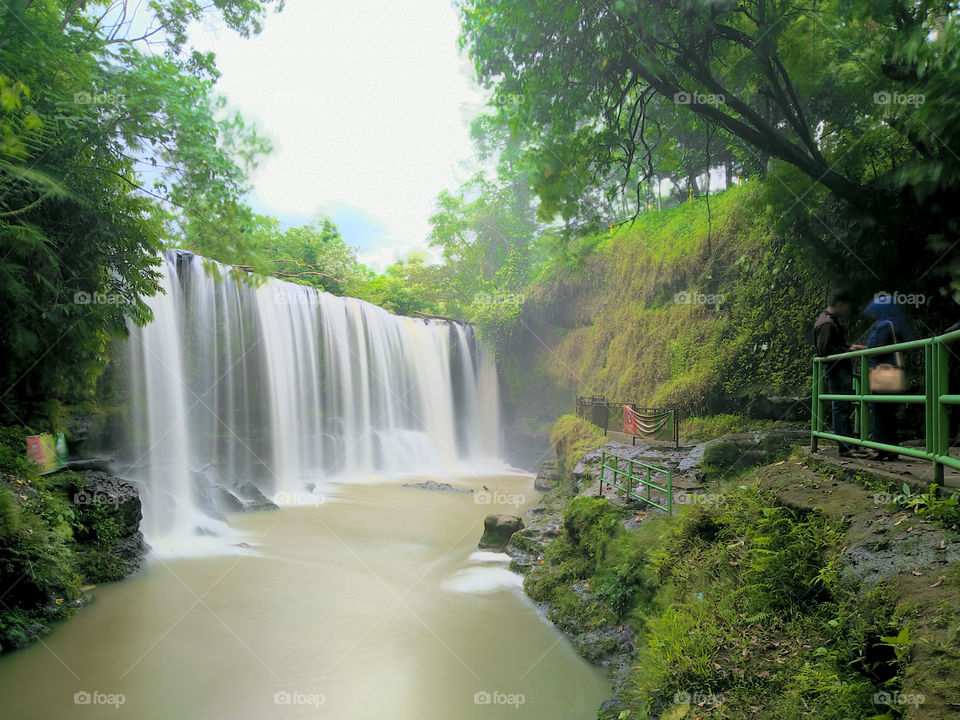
(830,87)
(107,151)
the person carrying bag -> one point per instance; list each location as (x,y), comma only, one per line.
(887,374)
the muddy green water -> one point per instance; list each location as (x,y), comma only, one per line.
(374,604)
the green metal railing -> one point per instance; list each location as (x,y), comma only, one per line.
(935,399)
(612,462)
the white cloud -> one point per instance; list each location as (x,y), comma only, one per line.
(367,104)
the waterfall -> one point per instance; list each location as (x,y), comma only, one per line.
(241,392)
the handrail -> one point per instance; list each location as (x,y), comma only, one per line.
(631,478)
(935,398)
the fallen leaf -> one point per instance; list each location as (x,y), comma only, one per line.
(917,573)
(939,580)
(900,520)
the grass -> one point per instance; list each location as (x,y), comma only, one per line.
(736,607)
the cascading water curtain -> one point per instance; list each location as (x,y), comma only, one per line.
(237,387)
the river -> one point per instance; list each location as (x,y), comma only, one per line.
(374,604)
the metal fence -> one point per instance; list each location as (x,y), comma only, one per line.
(622,471)
(935,398)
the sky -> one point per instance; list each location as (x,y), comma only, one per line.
(367,104)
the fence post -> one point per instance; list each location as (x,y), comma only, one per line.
(864,391)
(942,424)
(648,481)
(815,406)
(603,471)
(669,492)
(629,477)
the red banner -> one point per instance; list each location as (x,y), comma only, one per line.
(631,421)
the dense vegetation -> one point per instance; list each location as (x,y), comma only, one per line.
(742,603)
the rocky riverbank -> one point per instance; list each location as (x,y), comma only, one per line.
(60,535)
(780,586)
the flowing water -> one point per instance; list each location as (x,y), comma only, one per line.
(360,598)
(374,604)
(239,390)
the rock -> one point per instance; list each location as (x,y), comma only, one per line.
(100,488)
(226,500)
(547,477)
(102,464)
(104,497)
(497,531)
(254,500)
(743,450)
(433,485)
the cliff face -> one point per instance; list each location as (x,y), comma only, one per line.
(704,310)
(60,535)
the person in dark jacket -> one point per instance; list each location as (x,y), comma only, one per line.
(890,326)
(830,338)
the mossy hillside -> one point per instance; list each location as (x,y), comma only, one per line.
(669,312)
(50,546)
(740,605)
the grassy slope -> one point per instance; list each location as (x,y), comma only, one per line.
(754,602)
(612,326)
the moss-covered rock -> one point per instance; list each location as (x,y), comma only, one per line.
(497,530)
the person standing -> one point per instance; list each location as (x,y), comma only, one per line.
(830,338)
(890,326)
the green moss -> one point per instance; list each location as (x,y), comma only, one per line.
(572,438)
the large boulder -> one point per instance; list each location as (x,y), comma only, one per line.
(743,450)
(497,530)
(112,546)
